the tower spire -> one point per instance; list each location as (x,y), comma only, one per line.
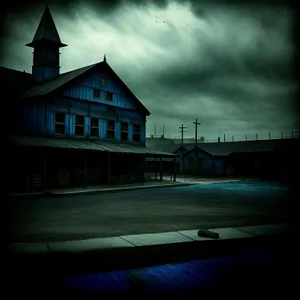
(104,58)
(46,31)
(46,43)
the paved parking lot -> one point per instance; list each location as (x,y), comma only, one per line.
(146,211)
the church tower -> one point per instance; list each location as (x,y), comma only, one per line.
(46,43)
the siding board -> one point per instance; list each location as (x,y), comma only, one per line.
(39,118)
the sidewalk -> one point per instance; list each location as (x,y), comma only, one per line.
(105,188)
(131,251)
(181,180)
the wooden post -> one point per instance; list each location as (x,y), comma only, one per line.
(161,169)
(155,166)
(44,171)
(174,166)
(108,168)
(85,169)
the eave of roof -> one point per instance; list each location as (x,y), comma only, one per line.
(86,144)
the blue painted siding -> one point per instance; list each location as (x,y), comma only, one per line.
(102,129)
(84,90)
(43,73)
(212,165)
(130,132)
(117,131)
(40,118)
(87,125)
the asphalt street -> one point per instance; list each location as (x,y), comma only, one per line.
(146,211)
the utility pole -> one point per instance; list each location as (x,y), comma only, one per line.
(163,131)
(155,130)
(182,131)
(196,131)
(181,152)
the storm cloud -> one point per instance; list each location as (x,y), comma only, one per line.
(229,64)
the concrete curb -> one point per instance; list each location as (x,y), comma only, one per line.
(116,190)
(98,191)
(149,239)
(136,251)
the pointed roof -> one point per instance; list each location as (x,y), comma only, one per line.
(64,79)
(46,30)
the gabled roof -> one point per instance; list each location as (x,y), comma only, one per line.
(52,85)
(46,31)
(68,78)
(228,148)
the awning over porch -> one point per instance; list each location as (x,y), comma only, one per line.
(87,144)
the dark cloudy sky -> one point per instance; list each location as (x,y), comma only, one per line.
(228,64)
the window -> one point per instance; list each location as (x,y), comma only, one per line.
(79,126)
(96,93)
(94,127)
(136,133)
(110,130)
(103,81)
(124,132)
(108,96)
(60,123)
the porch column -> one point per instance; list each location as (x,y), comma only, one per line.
(44,171)
(174,168)
(84,170)
(108,168)
(155,167)
(161,169)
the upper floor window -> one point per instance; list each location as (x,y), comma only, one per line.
(103,81)
(124,132)
(108,96)
(136,133)
(94,127)
(110,130)
(79,125)
(97,93)
(60,123)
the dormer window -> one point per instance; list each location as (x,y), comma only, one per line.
(103,81)
(96,93)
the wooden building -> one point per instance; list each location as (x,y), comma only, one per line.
(263,158)
(71,129)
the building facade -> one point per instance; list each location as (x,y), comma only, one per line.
(263,158)
(72,129)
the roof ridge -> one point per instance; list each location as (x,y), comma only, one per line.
(89,66)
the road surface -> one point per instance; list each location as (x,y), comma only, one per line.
(146,211)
